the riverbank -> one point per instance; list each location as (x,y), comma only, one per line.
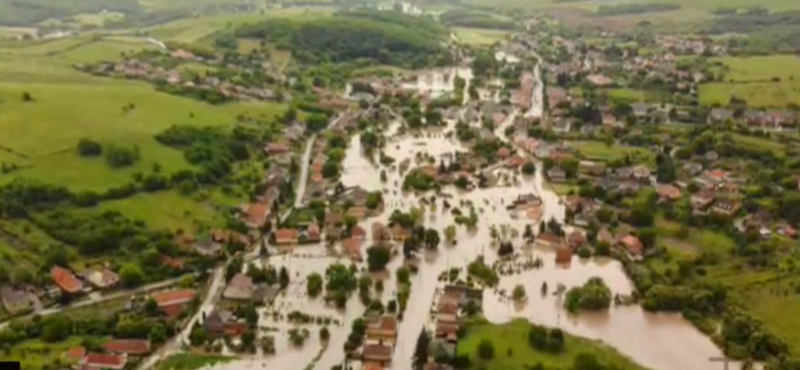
(513,351)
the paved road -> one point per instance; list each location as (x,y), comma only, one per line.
(174,345)
(306,161)
(100,299)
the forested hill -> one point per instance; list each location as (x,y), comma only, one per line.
(29,12)
(380,37)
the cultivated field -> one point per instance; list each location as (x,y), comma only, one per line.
(477,36)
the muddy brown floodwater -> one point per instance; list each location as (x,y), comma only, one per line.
(657,341)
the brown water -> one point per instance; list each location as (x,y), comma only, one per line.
(658,341)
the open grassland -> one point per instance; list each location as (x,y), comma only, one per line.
(705,5)
(167,210)
(761,68)
(98,19)
(41,136)
(477,36)
(599,151)
(513,352)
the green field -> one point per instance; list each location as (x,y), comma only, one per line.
(168,210)
(764,81)
(191,361)
(598,151)
(478,36)
(629,95)
(513,352)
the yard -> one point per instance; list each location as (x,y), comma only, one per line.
(38,355)
(513,352)
(599,151)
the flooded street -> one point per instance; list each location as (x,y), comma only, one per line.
(629,329)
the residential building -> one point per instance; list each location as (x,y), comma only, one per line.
(240,288)
(726,207)
(104,361)
(556,175)
(548,240)
(703,198)
(632,245)
(65,280)
(102,279)
(563,256)
(173,302)
(378,353)
(383,330)
(14,300)
(223,323)
(286,236)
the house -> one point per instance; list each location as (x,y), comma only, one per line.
(286,236)
(787,231)
(359,212)
(102,279)
(563,256)
(377,353)
(223,323)
(334,218)
(182,54)
(104,361)
(562,126)
(76,354)
(548,240)
(503,153)
(557,175)
(726,207)
(447,331)
(464,294)
(641,172)
(703,198)
(358,232)
(15,301)
(399,233)
(207,247)
(313,233)
(379,232)
(65,280)
(640,110)
(352,248)
(576,239)
(256,214)
(277,148)
(173,302)
(355,194)
(692,169)
(632,245)
(130,347)
(605,236)
(623,173)
(383,330)
(240,288)
(668,192)
(591,168)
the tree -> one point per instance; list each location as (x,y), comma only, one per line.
(158,334)
(131,275)
(89,148)
(421,351)
(432,239)
(314,284)
(528,168)
(324,334)
(151,307)
(519,293)
(56,328)
(486,349)
(284,277)
(198,335)
(403,275)
(27,97)
(378,257)
(450,233)
(330,169)
(556,342)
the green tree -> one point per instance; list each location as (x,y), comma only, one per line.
(284,277)
(432,239)
(131,275)
(378,257)
(158,334)
(421,350)
(314,284)
(486,349)
(519,293)
(89,148)
(450,233)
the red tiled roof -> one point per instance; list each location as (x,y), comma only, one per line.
(359,232)
(65,279)
(283,236)
(105,361)
(76,353)
(257,213)
(377,352)
(632,244)
(173,297)
(129,346)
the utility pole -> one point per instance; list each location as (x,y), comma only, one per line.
(725,361)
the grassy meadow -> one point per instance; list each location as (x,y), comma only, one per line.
(513,352)
(599,151)
(168,210)
(41,136)
(764,81)
(478,36)
(188,361)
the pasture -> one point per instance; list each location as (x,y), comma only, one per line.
(478,36)
(599,151)
(168,210)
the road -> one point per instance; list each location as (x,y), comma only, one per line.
(174,345)
(301,185)
(90,302)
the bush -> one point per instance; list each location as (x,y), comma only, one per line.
(118,156)
(594,295)
(89,148)
(486,349)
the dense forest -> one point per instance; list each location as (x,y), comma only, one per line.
(29,12)
(384,38)
(477,19)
